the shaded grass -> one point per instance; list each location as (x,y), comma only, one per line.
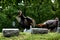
(28,36)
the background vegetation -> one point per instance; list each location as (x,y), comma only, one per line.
(40,10)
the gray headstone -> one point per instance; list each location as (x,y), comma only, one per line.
(13,23)
(58,29)
(7,32)
(39,31)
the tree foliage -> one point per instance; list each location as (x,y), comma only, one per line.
(40,10)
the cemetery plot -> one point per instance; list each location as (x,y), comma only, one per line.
(7,32)
(39,31)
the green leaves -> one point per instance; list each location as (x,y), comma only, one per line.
(40,10)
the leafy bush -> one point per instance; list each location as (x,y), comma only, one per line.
(40,10)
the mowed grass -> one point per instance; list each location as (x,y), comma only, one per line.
(28,36)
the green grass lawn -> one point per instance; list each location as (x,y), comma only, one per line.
(28,36)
